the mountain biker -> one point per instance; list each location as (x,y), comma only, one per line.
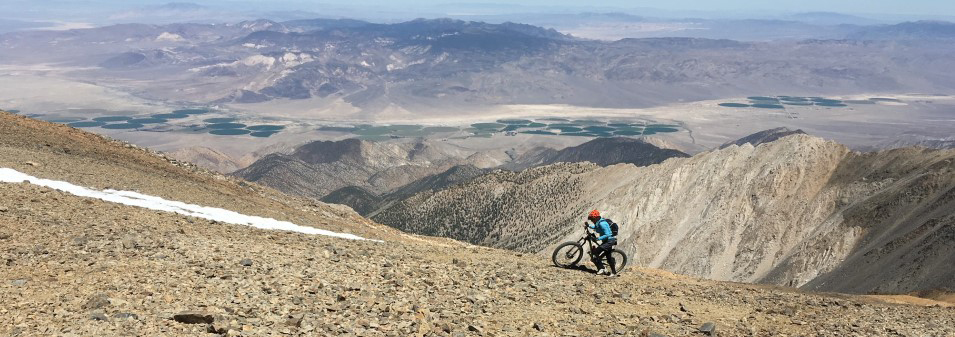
(600,225)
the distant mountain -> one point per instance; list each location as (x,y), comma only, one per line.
(600,151)
(433,66)
(832,18)
(603,151)
(8,25)
(366,202)
(918,30)
(319,168)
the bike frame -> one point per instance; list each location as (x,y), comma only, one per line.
(591,241)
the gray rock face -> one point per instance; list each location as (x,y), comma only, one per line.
(798,211)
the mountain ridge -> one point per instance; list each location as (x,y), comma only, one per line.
(760,218)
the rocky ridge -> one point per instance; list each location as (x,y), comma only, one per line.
(799,211)
(600,151)
(321,167)
(75,266)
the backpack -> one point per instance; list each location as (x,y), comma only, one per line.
(614,228)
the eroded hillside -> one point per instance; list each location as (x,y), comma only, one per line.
(76,266)
(799,211)
(318,168)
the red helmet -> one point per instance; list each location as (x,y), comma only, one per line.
(594,214)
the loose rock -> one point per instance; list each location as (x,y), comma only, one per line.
(193,317)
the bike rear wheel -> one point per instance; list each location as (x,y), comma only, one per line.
(567,254)
(620,259)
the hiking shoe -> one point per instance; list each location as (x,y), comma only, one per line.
(603,272)
(613,275)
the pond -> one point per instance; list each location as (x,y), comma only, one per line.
(112,118)
(659,129)
(122,126)
(441,129)
(538,132)
(147,120)
(263,134)
(171,116)
(220,120)
(338,128)
(514,121)
(195,111)
(566,128)
(229,132)
(599,129)
(734,105)
(226,126)
(768,106)
(265,127)
(87,124)
(488,126)
(65,120)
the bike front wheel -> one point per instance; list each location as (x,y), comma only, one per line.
(567,254)
(620,259)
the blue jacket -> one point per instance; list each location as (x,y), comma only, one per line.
(603,229)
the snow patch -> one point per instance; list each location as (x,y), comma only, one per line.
(171,37)
(8,175)
(259,60)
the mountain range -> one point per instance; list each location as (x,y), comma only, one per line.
(433,66)
(363,173)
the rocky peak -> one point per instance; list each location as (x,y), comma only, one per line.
(764,136)
(319,152)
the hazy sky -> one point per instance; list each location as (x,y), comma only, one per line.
(928,7)
(698,8)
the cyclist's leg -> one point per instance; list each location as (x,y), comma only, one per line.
(610,260)
(598,257)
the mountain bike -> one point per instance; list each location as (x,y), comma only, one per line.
(568,254)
